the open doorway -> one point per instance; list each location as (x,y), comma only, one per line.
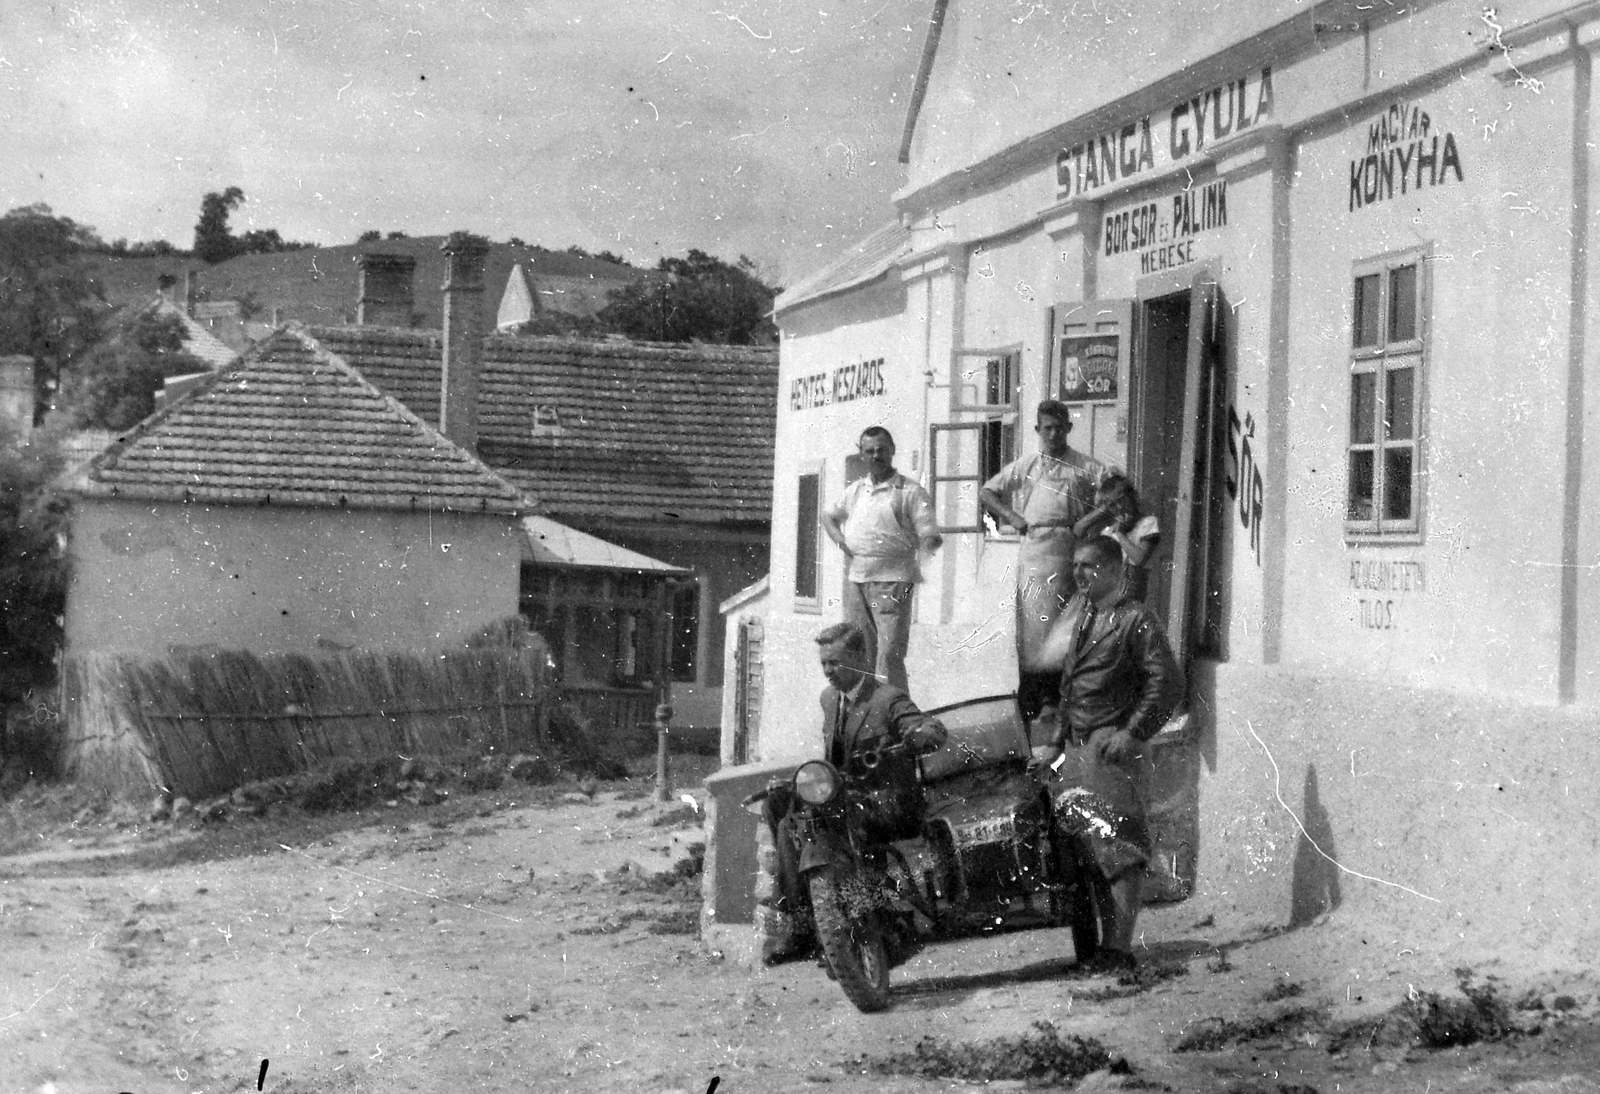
(1174,426)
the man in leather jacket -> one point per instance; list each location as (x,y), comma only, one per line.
(861,716)
(1119,685)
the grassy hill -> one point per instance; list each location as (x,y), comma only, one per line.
(318,284)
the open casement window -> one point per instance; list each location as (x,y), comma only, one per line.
(1383,484)
(955,472)
(968,451)
(1090,349)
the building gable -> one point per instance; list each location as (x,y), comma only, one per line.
(292,424)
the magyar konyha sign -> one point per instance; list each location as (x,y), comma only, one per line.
(1165,138)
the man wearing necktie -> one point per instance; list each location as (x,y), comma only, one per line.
(860,714)
(1119,685)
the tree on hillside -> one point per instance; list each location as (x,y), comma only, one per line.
(213,242)
(603,256)
(700,299)
(114,385)
(50,307)
(143,248)
(371,235)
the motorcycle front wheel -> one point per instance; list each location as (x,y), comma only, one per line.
(853,946)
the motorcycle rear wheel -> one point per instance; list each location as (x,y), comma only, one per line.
(854,948)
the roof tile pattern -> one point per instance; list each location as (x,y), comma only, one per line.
(642,431)
(292,424)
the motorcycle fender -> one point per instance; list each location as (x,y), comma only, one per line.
(825,848)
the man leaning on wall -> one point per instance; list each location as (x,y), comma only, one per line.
(881,522)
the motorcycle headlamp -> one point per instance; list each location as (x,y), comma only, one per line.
(816,782)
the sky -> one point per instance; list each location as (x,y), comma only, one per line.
(644,127)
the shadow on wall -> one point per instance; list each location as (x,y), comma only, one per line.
(1315,885)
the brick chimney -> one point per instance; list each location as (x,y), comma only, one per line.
(385,297)
(463,337)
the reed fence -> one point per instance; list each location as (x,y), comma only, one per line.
(201,723)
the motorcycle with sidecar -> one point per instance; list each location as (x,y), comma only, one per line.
(991,852)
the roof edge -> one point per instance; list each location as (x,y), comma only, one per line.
(919,89)
(1283,43)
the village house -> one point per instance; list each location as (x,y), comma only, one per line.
(664,450)
(288,505)
(1318,277)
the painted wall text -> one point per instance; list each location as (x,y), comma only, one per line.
(862,380)
(1403,153)
(1165,138)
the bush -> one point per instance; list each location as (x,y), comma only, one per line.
(349,784)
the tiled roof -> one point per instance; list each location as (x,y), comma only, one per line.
(643,431)
(866,261)
(196,339)
(292,424)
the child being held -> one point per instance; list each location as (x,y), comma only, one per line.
(1119,514)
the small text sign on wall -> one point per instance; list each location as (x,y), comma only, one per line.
(862,380)
(1088,368)
(1382,586)
(1162,233)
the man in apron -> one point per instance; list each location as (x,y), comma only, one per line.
(1042,497)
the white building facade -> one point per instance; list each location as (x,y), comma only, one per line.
(1317,276)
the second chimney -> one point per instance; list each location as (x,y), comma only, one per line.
(385,297)
(463,337)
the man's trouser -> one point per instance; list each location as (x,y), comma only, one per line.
(1103,805)
(882,609)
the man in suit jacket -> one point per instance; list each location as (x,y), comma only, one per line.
(1119,685)
(860,714)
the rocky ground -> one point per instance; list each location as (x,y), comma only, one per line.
(520,937)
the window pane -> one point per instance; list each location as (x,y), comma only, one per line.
(686,628)
(992,458)
(1399,405)
(1359,506)
(1402,303)
(1366,317)
(805,547)
(1363,406)
(1397,483)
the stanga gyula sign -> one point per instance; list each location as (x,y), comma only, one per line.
(1165,138)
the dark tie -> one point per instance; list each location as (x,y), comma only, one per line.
(1084,629)
(839,724)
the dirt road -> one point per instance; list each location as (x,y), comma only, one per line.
(543,941)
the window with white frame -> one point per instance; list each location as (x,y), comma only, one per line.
(984,408)
(998,378)
(1383,467)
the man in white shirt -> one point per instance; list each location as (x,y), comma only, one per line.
(881,522)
